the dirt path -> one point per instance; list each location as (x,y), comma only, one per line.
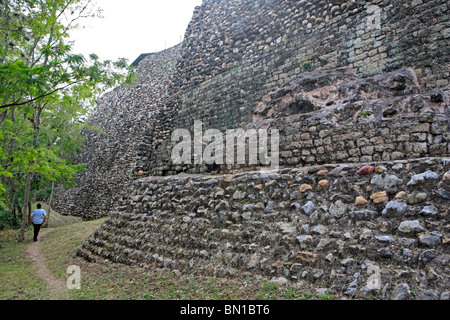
(35,254)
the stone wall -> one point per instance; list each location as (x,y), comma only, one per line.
(233,54)
(122,116)
(379,233)
(265,38)
(236,52)
(359,206)
(328,116)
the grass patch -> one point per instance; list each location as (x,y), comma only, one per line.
(60,245)
(17,273)
(119,282)
(18,277)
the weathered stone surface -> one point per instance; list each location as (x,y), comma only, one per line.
(379,197)
(416,197)
(360,201)
(319,229)
(429,211)
(352,287)
(304,240)
(366,170)
(400,195)
(429,295)
(123,114)
(305,187)
(337,209)
(430,239)
(322,184)
(423,177)
(401,292)
(334,228)
(363,214)
(279,281)
(386,181)
(366,100)
(287,227)
(410,226)
(307,256)
(387,239)
(395,207)
(444,194)
(308,208)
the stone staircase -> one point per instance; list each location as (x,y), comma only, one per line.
(356,232)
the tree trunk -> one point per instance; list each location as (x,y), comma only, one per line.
(25,207)
(12,201)
(36,124)
(6,26)
(29,212)
(19,209)
(3,117)
(49,209)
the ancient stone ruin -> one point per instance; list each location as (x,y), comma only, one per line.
(359,92)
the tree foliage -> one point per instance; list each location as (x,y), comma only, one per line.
(46,94)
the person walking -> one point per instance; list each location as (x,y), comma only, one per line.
(38,217)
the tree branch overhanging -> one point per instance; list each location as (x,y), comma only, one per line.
(14,104)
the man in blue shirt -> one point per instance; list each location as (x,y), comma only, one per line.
(38,217)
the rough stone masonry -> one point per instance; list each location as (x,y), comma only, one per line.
(360,93)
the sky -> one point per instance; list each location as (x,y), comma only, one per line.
(129,28)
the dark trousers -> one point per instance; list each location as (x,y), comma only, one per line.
(37,228)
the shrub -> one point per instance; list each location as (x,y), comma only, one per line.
(7,220)
(305,63)
(43,194)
